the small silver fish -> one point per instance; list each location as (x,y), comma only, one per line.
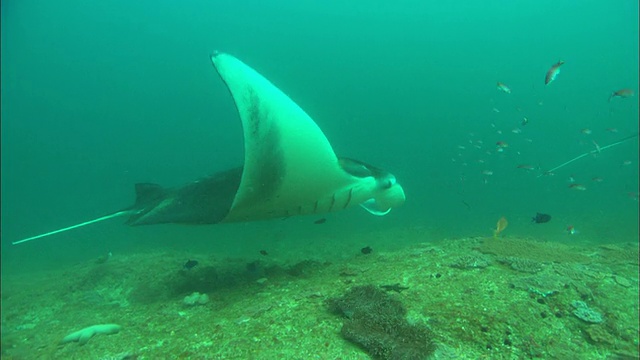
(553,72)
(504,88)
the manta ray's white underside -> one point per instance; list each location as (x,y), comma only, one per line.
(290,167)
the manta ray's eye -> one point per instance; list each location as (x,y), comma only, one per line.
(388,182)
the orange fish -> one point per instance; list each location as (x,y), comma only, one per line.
(622,93)
(553,72)
(500,226)
(504,88)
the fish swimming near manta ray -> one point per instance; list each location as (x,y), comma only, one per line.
(289,169)
(541,218)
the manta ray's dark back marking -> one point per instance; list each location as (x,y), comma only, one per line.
(147,193)
(272,170)
(254,112)
(206,201)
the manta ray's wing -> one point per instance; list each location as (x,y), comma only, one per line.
(290,167)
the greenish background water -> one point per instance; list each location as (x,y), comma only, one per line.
(97,96)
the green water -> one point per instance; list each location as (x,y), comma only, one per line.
(100,95)
(97,96)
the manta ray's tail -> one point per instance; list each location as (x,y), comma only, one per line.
(145,193)
(106,217)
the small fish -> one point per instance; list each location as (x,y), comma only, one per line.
(586,131)
(366,250)
(500,226)
(190,264)
(504,88)
(622,93)
(571,230)
(541,218)
(502,144)
(103,258)
(516,131)
(495,110)
(320,221)
(487,172)
(264,252)
(525,121)
(611,130)
(597,179)
(553,72)
(578,187)
(395,287)
(526,167)
(626,163)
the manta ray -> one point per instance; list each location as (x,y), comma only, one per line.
(289,169)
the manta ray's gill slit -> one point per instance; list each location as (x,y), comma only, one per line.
(348,198)
(333,201)
(315,207)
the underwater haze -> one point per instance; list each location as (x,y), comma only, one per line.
(100,95)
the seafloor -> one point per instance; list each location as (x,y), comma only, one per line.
(497,298)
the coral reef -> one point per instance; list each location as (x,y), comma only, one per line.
(521,264)
(471,261)
(583,312)
(195,299)
(543,284)
(535,250)
(495,312)
(376,322)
